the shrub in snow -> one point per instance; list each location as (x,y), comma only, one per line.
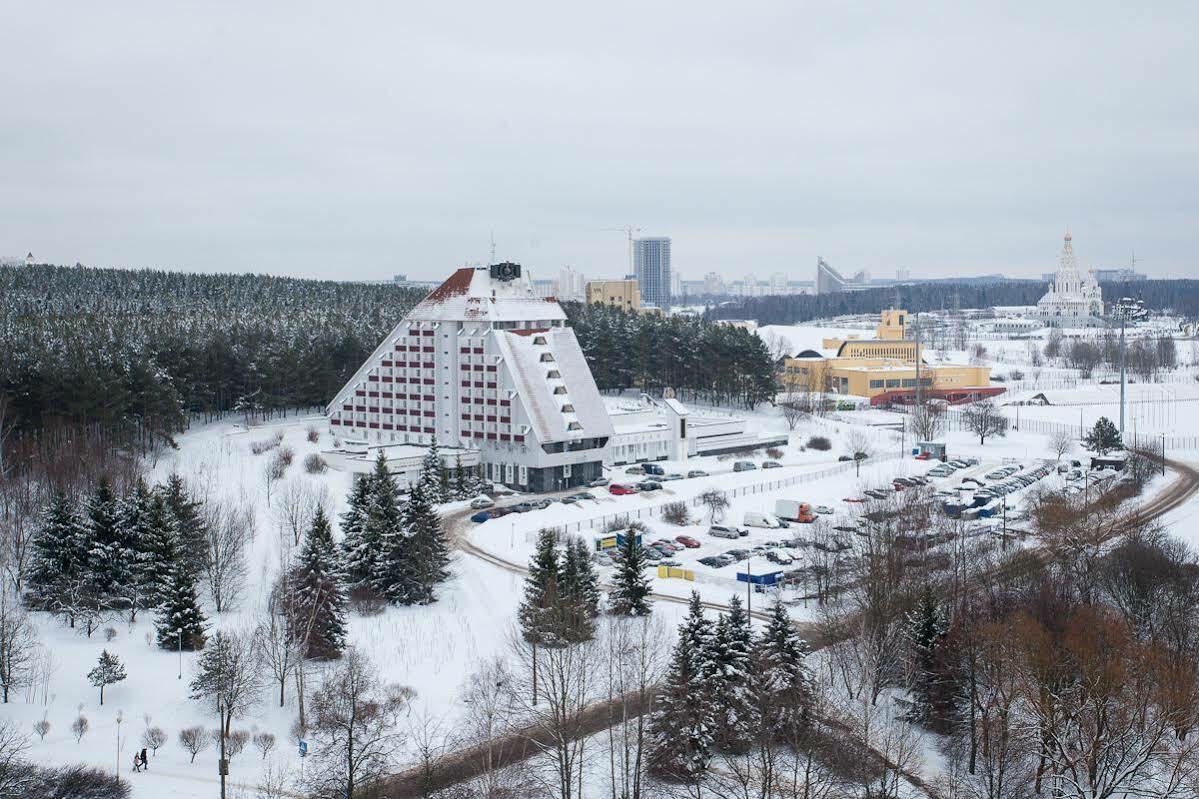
(73,782)
(79,727)
(264,742)
(194,740)
(110,633)
(275,469)
(259,447)
(41,728)
(314,435)
(774,452)
(235,742)
(154,738)
(315,464)
(285,455)
(820,443)
(366,602)
(676,513)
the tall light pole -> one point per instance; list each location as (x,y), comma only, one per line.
(120,718)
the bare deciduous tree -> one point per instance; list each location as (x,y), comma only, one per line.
(194,740)
(858,445)
(226,530)
(354,721)
(634,663)
(928,421)
(984,419)
(716,502)
(18,642)
(275,645)
(492,714)
(1061,442)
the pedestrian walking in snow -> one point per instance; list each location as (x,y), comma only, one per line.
(137,761)
(145,763)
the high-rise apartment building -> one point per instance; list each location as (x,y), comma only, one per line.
(571,284)
(651,260)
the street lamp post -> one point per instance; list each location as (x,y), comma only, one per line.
(180,632)
(119,719)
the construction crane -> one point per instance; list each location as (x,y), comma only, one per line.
(629,231)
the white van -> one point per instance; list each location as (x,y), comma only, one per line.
(755,519)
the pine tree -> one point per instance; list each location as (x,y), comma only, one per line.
(58,574)
(133,522)
(433,475)
(189,521)
(682,726)
(385,538)
(427,546)
(925,630)
(107,671)
(1103,437)
(159,554)
(540,611)
(317,605)
(580,592)
(733,700)
(460,483)
(358,553)
(180,622)
(630,595)
(783,679)
(111,557)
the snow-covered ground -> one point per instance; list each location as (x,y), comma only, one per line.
(433,649)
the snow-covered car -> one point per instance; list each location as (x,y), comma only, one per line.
(824,510)
(697,473)
(598,482)
(480,503)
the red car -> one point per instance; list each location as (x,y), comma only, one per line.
(923,456)
(621,488)
(687,541)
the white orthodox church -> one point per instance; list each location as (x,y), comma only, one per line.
(1074,300)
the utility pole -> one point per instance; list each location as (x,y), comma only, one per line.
(222,764)
(1122,376)
(120,717)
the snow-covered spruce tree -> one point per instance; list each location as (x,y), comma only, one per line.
(134,518)
(159,550)
(429,552)
(925,630)
(107,671)
(630,594)
(460,482)
(180,622)
(734,705)
(783,680)
(682,725)
(580,594)
(1103,437)
(432,474)
(358,553)
(111,557)
(59,566)
(316,608)
(189,521)
(540,610)
(385,538)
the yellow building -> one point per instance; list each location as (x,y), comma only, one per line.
(884,369)
(617,293)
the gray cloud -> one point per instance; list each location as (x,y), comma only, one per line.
(360,140)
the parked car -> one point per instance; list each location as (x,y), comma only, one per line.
(634,470)
(824,510)
(739,554)
(687,541)
(652,554)
(582,495)
(712,561)
(844,458)
(481,502)
(653,468)
(771,465)
(598,482)
(744,466)
(723,531)
(522,507)
(780,558)
(481,516)
(697,473)
(671,477)
(649,485)
(620,489)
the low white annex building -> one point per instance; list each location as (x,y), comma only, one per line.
(648,429)
(1074,300)
(483,366)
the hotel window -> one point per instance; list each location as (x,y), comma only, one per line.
(524,475)
(568,408)
(574,426)
(876,384)
(547,357)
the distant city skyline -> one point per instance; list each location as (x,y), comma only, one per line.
(946,139)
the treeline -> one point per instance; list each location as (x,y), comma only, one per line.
(1178,296)
(131,353)
(716,363)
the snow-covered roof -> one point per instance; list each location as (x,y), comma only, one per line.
(535,391)
(470,294)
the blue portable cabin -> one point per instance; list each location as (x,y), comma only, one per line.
(766,578)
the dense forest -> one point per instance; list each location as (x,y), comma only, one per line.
(1180,296)
(131,357)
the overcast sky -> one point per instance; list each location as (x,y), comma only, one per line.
(355,141)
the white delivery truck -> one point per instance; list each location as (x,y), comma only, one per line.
(793,510)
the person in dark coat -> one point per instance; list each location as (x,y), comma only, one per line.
(145,763)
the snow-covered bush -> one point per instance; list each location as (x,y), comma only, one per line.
(676,513)
(315,464)
(820,443)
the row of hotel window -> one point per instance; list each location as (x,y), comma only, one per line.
(422,428)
